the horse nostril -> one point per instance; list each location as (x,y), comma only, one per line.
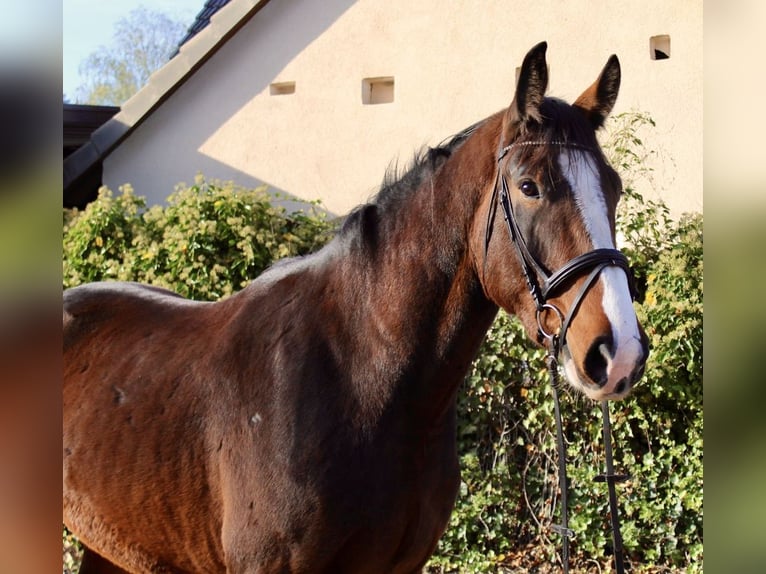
(597,360)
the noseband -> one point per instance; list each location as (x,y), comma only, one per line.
(552,283)
(592,263)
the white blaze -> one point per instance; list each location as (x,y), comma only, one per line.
(579,169)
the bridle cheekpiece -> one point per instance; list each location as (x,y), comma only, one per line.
(534,273)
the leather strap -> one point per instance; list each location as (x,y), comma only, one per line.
(594,261)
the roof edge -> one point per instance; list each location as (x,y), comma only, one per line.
(161,86)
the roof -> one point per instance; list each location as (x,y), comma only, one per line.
(80,121)
(202,20)
(218,21)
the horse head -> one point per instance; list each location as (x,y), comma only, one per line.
(558,195)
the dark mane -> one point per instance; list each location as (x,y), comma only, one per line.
(362,223)
(426,163)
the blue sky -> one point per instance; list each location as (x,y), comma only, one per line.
(89,24)
(30,29)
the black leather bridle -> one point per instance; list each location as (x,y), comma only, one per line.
(592,263)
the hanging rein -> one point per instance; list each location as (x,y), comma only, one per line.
(592,263)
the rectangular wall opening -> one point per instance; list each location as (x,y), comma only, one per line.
(282,88)
(378,90)
(659,47)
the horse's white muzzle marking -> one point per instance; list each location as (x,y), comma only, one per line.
(625,356)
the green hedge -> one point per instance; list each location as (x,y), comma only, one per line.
(212,238)
(209,240)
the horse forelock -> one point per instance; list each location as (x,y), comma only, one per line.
(561,124)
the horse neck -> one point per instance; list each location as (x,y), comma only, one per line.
(421,312)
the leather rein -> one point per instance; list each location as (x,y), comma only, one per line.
(590,263)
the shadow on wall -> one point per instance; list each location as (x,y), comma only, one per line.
(166,148)
(222,173)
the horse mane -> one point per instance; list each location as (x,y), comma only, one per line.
(361,226)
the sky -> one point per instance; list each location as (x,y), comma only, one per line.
(29,30)
(89,24)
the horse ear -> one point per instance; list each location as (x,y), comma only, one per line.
(598,100)
(531,86)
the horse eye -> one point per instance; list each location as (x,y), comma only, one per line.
(529,188)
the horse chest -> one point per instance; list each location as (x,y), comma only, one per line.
(414,503)
(380,506)
(402,506)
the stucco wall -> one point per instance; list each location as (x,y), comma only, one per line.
(453,63)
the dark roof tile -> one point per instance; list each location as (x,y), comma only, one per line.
(202,19)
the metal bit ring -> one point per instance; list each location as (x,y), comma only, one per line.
(541,328)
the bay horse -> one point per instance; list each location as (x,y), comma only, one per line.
(307,423)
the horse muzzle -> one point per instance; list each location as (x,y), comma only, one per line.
(608,371)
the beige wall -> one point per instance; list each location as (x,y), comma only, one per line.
(453,64)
